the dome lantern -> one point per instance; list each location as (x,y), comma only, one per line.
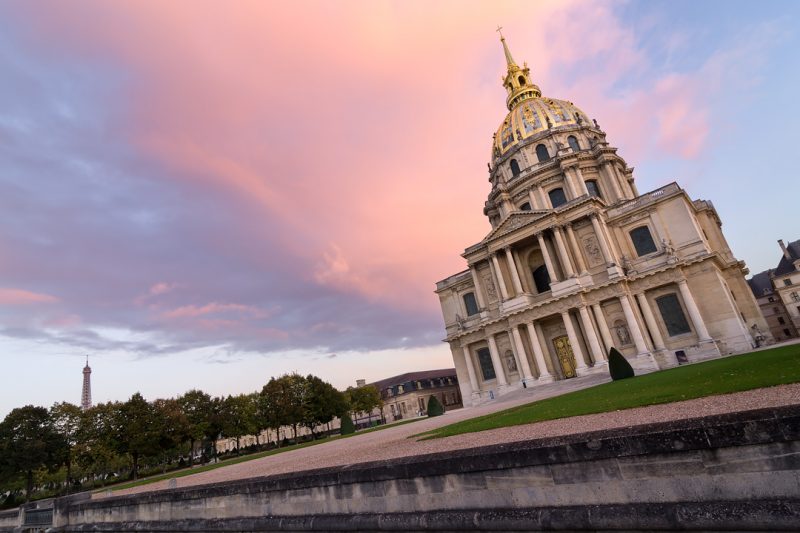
(517,81)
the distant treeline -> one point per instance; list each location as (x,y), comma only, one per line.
(63,448)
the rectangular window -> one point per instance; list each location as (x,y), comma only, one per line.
(787,332)
(485,360)
(470,304)
(787,282)
(672,314)
(642,241)
(781,321)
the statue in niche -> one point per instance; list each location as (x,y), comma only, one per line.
(549,123)
(578,119)
(669,250)
(511,363)
(623,335)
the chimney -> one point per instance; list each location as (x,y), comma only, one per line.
(361,382)
(785,251)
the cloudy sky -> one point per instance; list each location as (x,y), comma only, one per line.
(207,194)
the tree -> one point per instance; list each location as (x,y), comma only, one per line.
(618,366)
(96,448)
(28,442)
(238,417)
(66,419)
(323,403)
(347,427)
(364,399)
(283,401)
(135,431)
(170,428)
(435,407)
(197,408)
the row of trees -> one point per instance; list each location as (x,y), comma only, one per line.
(118,438)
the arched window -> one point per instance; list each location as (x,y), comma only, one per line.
(593,188)
(514,167)
(541,153)
(485,362)
(521,81)
(642,241)
(470,304)
(541,279)
(557,197)
(573,143)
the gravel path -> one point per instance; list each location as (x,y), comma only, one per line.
(394,442)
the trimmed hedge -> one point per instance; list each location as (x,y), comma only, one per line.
(618,366)
(435,407)
(347,426)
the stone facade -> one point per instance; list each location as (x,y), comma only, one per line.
(407,395)
(578,261)
(771,302)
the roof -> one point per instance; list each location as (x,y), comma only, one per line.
(414,376)
(786,266)
(761,283)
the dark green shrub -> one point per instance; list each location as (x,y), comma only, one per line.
(347,426)
(618,366)
(435,407)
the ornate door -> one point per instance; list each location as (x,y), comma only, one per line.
(565,356)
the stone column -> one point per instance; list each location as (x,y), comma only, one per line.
(562,253)
(500,281)
(576,249)
(612,179)
(601,239)
(580,362)
(473,379)
(512,266)
(524,367)
(579,177)
(694,312)
(602,325)
(569,185)
(533,200)
(591,336)
(496,363)
(633,325)
(650,321)
(548,262)
(538,354)
(478,287)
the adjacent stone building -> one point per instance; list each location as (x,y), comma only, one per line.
(407,395)
(778,293)
(578,261)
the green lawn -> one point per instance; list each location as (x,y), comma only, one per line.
(754,370)
(250,457)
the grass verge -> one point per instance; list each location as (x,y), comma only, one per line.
(245,458)
(753,370)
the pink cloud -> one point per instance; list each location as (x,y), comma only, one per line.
(23,297)
(193,311)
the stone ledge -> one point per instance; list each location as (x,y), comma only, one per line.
(763,515)
(733,429)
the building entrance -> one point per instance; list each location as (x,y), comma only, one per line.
(565,356)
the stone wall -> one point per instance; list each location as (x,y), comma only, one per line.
(737,471)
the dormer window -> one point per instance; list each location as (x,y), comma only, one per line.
(541,153)
(521,81)
(515,171)
(525,207)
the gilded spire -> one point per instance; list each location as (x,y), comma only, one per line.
(509,60)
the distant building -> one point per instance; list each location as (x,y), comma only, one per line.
(777,291)
(86,393)
(407,395)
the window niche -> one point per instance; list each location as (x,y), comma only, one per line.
(541,279)
(557,197)
(573,143)
(541,153)
(672,315)
(485,362)
(643,241)
(515,170)
(470,304)
(525,207)
(593,188)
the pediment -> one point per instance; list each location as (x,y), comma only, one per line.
(513,222)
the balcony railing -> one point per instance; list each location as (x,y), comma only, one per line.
(645,199)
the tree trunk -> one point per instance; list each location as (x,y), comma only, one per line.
(29,486)
(238,447)
(191,452)
(135,471)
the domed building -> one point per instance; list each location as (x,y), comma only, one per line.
(577,261)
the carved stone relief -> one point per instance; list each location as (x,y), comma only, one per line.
(592,248)
(491,292)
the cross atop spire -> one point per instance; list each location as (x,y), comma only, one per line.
(509,60)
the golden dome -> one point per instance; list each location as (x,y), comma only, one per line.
(529,112)
(533,116)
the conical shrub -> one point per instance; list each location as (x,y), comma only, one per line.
(618,366)
(435,407)
(347,426)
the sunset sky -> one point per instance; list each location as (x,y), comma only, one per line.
(206,193)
